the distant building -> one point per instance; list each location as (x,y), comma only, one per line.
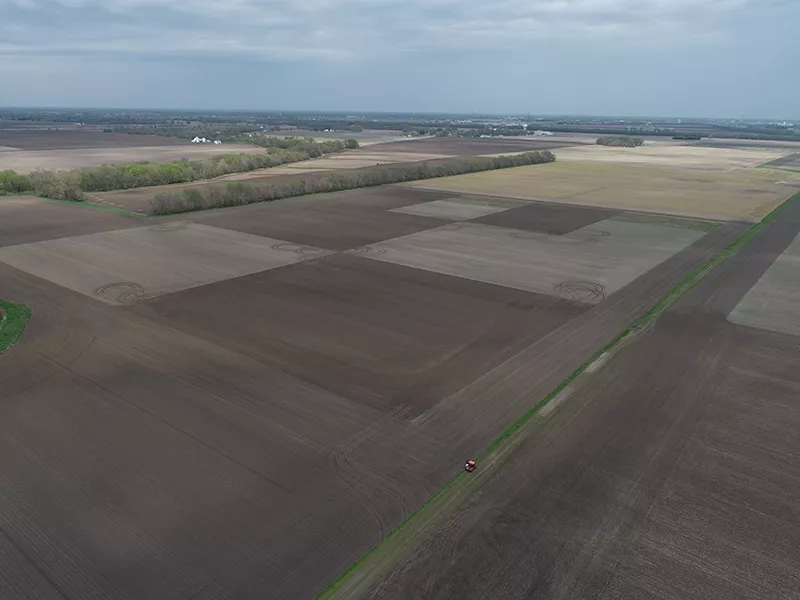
(201,140)
(540,132)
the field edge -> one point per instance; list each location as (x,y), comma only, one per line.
(502,447)
(13,321)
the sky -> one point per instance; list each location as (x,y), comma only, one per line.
(683,58)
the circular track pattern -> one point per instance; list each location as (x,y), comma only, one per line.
(171,226)
(580,291)
(591,236)
(530,235)
(124,292)
(371,250)
(305,251)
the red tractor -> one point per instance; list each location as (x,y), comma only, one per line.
(470,466)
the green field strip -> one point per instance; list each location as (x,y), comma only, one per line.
(13,320)
(353,582)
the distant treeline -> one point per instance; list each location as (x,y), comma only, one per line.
(302,144)
(230,133)
(751,133)
(239,193)
(72,185)
(620,141)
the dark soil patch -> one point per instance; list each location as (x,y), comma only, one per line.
(338,221)
(545,218)
(26,219)
(67,139)
(474,146)
(381,333)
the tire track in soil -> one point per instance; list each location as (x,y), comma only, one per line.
(124,292)
(356,479)
(580,291)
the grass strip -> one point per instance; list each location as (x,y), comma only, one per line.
(13,320)
(778,163)
(88,204)
(500,443)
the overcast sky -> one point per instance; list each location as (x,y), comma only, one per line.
(729,58)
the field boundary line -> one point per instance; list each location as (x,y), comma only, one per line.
(13,321)
(561,201)
(768,164)
(353,582)
(88,204)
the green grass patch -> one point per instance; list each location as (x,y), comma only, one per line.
(659,307)
(92,205)
(13,320)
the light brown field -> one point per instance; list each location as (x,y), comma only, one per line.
(671,155)
(584,265)
(144,262)
(26,161)
(772,303)
(745,195)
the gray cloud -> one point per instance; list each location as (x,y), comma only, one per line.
(334,29)
(635,56)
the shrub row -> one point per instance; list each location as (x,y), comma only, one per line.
(72,185)
(620,141)
(239,193)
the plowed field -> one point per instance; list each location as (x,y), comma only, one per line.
(238,405)
(669,473)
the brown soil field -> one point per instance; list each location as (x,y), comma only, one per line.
(788,146)
(73,139)
(251,436)
(557,220)
(339,221)
(55,160)
(746,194)
(675,156)
(26,219)
(477,146)
(669,473)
